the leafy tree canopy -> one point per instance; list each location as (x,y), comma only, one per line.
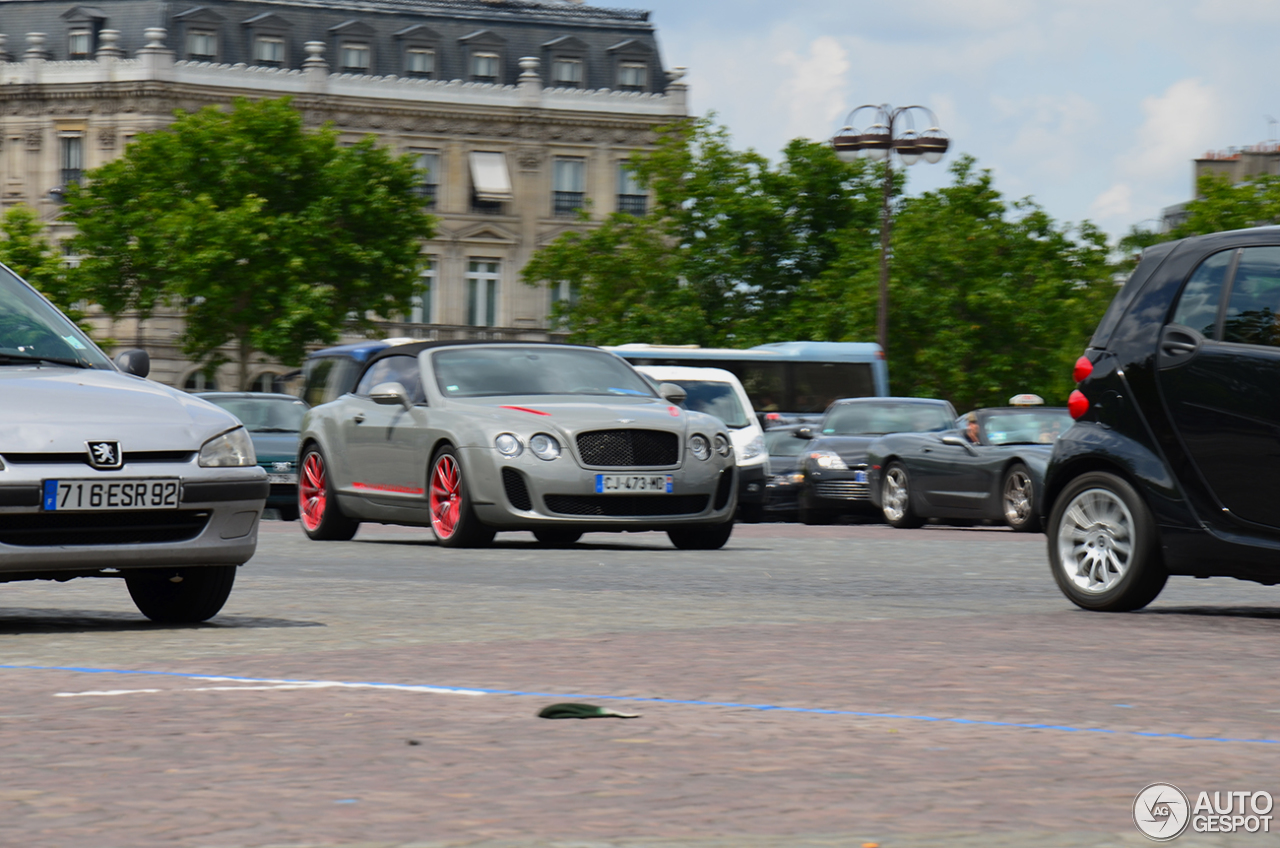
(271,236)
(27,251)
(988,298)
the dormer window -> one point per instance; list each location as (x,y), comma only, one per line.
(566,73)
(484,67)
(631,76)
(420,62)
(79,43)
(268,50)
(202,45)
(355,58)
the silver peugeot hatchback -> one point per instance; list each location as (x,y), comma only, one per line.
(106,474)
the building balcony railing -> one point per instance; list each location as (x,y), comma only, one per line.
(486,207)
(427,191)
(634,204)
(568,202)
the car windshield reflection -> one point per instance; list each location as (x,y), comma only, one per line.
(264,415)
(877,419)
(502,371)
(32,331)
(1026,427)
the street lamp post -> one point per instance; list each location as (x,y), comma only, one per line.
(879,142)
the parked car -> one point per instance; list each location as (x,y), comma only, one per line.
(989,468)
(834,460)
(1172,466)
(274,422)
(106,474)
(718,392)
(470,438)
(782,489)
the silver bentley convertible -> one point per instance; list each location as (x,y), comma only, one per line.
(471,438)
(106,474)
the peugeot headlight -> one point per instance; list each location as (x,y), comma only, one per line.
(508,445)
(753,448)
(828,459)
(544,446)
(233,449)
(699,446)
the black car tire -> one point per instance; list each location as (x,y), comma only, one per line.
(322,518)
(557,537)
(701,537)
(901,512)
(183,595)
(289,513)
(816,517)
(1113,521)
(465,529)
(752,513)
(1018,499)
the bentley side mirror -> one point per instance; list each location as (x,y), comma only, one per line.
(672,392)
(390,394)
(134,361)
(805,433)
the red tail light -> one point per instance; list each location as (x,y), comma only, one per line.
(1077,404)
(1082,370)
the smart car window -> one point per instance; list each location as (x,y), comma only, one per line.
(511,370)
(1198,303)
(867,419)
(1255,298)
(316,374)
(393,369)
(32,330)
(718,399)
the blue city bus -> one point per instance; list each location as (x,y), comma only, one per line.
(787,378)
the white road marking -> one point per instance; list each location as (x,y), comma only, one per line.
(274,685)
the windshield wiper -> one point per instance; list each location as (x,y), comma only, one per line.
(26,357)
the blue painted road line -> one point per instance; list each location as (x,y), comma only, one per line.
(562,696)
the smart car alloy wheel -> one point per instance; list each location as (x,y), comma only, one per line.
(1102,546)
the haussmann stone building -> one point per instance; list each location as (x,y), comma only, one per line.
(519,113)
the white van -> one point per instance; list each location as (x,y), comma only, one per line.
(717,392)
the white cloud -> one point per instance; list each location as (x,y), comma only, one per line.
(1177,126)
(811,95)
(1113,204)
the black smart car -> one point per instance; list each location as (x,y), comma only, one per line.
(1173,464)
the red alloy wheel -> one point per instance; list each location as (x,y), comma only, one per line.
(311,491)
(446,496)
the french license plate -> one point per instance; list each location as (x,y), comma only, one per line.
(291,477)
(634,484)
(94,495)
(859,476)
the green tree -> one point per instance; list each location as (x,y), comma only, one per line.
(270,236)
(729,243)
(987,298)
(28,252)
(1219,205)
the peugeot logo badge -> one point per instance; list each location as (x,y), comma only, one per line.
(105,456)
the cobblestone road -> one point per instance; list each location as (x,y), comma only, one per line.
(803,687)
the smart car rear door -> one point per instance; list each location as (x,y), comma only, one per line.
(1219,366)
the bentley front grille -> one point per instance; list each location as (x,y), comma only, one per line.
(629,448)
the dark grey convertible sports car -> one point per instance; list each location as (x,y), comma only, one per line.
(470,438)
(990,468)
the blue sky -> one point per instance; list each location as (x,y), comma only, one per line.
(1093,107)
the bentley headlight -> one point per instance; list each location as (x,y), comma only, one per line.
(723,446)
(508,445)
(753,448)
(233,449)
(544,446)
(829,460)
(699,446)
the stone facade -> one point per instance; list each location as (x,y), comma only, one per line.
(507,157)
